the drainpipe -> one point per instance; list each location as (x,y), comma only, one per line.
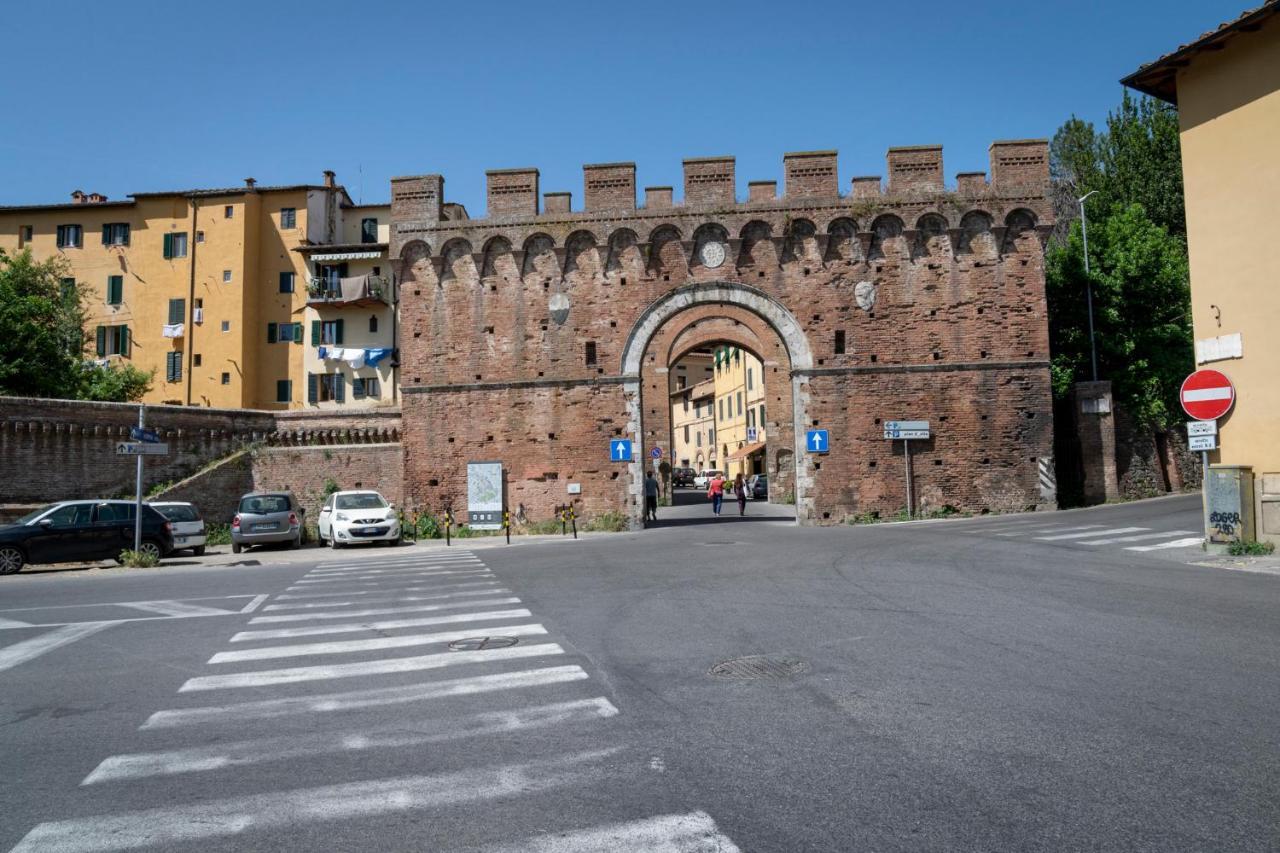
(191,297)
(395,333)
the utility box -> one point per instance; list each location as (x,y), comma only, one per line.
(1228,506)
(1269,507)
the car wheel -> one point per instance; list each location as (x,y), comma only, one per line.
(296,543)
(151,548)
(198,550)
(11,560)
(235,547)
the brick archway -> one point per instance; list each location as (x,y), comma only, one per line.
(704,313)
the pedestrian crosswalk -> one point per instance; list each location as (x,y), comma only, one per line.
(1093,535)
(407,659)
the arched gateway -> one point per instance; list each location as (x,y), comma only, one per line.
(537,336)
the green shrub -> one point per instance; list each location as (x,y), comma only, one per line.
(138,559)
(608,522)
(331,486)
(217,534)
(1251,549)
(542,528)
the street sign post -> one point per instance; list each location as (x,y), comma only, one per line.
(817,441)
(1207,395)
(905,431)
(656,453)
(1202,443)
(1196,428)
(140,448)
(752,433)
(620,450)
(148,435)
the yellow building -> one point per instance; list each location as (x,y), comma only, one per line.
(1226,85)
(206,287)
(739,411)
(693,426)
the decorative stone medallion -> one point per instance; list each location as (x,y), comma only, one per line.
(711,254)
(864,293)
(559,308)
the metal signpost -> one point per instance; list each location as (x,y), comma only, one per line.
(905,431)
(817,441)
(1206,395)
(620,450)
(146,442)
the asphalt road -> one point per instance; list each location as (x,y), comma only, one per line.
(984,684)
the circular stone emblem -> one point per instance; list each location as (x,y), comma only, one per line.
(559,307)
(711,254)
(864,294)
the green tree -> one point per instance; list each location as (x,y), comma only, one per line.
(41,327)
(114,383)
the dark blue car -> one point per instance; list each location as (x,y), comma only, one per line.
(81,531)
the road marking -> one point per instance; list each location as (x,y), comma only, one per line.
(694,832)
(355,699)
(497,591)
(377,611)
(176,608)
(398,564)
(387,625)
(21,652)
(141,765)
(119,603)
(1112,532)
(375,644)
(364,574)
(169,826)
(307,595)
(370,580)
(1177,543)
(1137,538)
(255,604)
(1050,528)
(14,623)
(388,666)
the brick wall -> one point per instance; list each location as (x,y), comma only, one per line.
(306,471)
(216,490)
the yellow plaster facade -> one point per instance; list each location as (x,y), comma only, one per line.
(693,427)
(739,410)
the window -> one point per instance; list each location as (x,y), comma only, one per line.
(839,341)
(750,378)
(686,433)
(113,340)
(69,237)
(272,331)
(173,366)
(739,404)
(115,234)
(720,408)
(105,513)
(195,360)
(226,379)
(373,325)
(284,333)
(711,435)
(199,236)
(175,245)
(684,403)
(226,325)
(288,217)
(326,387)
(699,438)
(177,311)
(115,289)
(228,212)
(286,282)
(67,288)
(591,353)
(361,388)
(71,515)
(284,390)
(326,332)
(760,420)
(226,275)
(25,233)
(368,230)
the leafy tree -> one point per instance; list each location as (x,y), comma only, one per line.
(114,382)
(41,323)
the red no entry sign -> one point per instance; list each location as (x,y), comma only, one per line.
(1207,395)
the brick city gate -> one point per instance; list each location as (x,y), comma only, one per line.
(536,335)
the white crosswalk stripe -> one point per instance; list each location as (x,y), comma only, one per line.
(1093,536)
(374,580)
(1159,534)
(349,647)
(695,832)
(438,597)
(378,611)
(1112,532)
(1177,543)
(384,625)
(416,588)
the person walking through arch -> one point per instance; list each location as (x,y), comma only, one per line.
(740,492)
(650,497)
(715,491)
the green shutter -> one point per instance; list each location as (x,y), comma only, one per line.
(102,341)
(177,311)
(357,388)
(168,246)
(106,235)
(126,343)
(337,335)
(286,282)
(339,386)
(271,333)
(313,392)
(115,288)
(315,333)
(297,333)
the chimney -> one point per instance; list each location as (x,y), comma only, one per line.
(329,176)
(77,197)
(250,182)
(95,198)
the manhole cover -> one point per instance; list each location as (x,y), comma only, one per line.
(758,666)
(714,544)
(475,644)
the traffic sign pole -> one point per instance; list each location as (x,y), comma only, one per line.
(906,451)
(137,521)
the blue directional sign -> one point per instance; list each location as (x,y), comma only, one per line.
(620,450)
(142,434)
(817,441)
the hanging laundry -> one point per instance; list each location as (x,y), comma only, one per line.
(353,357)
(172,330)
(375,355)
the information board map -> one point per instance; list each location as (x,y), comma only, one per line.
(484,495)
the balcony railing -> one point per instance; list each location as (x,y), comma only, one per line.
(360,290)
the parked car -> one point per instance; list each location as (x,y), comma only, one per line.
(188,526)
(81,531)
(683,476)
(348,518)
(703,480)
(265,518)
(759,487)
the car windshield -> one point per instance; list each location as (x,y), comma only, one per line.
(32,516)
(179,512)
(263,504)
(364,500)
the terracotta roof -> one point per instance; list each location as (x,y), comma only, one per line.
(84,205)
(335,248)
(196,193)
(1159,78)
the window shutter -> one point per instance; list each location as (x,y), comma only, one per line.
(313,392)
(102,341)
(126,343)
(168,246)
(106,235)
(315,333)
(297,333)
(339,386)
(177,307)
(357,388)
(286,282)
(337,335)
(271,333)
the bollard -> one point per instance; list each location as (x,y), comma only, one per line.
(506,524)
(563,528)
(448,523)
(573,519)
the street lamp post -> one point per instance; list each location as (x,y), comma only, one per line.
(1088,282)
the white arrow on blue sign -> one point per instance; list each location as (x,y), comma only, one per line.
(817,441)
(620,450)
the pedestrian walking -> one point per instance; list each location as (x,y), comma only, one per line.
(740,492)
(650,497)
(715,491)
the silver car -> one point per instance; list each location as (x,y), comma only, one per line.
(264,518)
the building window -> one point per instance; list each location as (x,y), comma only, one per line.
(684,403)
(175,245)
(761,417)
(326,332)
(226,325)
(196,360)
(69,237)
(199,236)
(591,353)
(226,275)
(177,311)
(115,289)
(288,217)
(373,325)
(228,212)
(284,333)
(711,435)
(284,390)
(67,288)
(113,340)
(226,378)
(750,378)
(115,234)
(368,230)
(326,387)
(686,433)
(739,404)
(286,282)
(699,438)
(25,233)
(361,388)
(839,341)
(173,366)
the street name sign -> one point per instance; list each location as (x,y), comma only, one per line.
(1207,395)
(906,429)
(1202,442)
(620,450)
(1195,428)
(817,441)
(143,434)
(141,448)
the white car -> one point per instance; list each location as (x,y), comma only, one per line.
(703,480)
(348,518)
(188,526)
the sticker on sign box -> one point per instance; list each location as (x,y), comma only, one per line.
(1202,442)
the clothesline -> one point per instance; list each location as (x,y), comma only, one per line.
(355,357)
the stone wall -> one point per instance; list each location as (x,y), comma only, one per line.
(217,489)
(309,471)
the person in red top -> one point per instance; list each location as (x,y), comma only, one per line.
(715,491)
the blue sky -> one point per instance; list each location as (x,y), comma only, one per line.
(129,97)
